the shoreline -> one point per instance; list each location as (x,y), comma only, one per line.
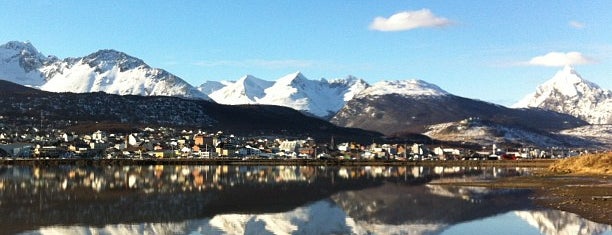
(534,163)
(586,195)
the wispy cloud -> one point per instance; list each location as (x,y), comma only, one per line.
(556,59)
(408,20)
(576,24)
(257,63)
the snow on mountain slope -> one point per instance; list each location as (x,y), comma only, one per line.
(295,91)
(115,73)
(560,222)
(405,88)
(106,70)
(354,85)
(319,97)
(350,212)
(322,98)
(247,90)
(211,86)
(487,133)
(321,217)
(567,92)
(599,133)
(19,63)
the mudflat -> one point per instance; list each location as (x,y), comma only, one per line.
(580,185)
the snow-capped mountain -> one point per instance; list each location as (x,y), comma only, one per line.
(322,98)
(321,217)
(211,86)
(20,63)
(247,90)
(107,71)
(560,222)
(414,88)
(399,107)
(567,92)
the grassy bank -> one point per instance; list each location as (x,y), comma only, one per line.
(592,164)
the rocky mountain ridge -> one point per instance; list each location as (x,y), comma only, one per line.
(567,92)
(393,113)
(322,98)
(106,71)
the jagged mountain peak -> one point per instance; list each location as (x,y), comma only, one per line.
(414,87)
(349,80)
(19,63)
(292,78)
(110,54)
(22,47)
(244,91)
(568,82)
(106,58)
(319,97)
(567,92)
(252,83)
(252,80)
(106,70)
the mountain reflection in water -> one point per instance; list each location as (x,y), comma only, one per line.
(259,200)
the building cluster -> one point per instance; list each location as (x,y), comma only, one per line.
(149,143)
(171,143)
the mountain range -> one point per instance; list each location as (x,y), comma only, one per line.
(23,107)
(392,112)
(321,98)
(107,71)
(394,108)
(353,102)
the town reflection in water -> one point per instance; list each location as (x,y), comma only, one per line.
(268,200)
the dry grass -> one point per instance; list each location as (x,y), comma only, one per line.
(597,164)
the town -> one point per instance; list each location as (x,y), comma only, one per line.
(169,143)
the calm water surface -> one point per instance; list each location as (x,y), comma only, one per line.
(271,200)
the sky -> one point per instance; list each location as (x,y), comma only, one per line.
(497,51)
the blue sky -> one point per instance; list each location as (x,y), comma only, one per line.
(475,49)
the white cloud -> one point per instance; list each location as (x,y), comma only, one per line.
(576,24)
(408,20)
(268,64)
(555,59)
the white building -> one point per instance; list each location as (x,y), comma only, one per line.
(248,151)
(290,146)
